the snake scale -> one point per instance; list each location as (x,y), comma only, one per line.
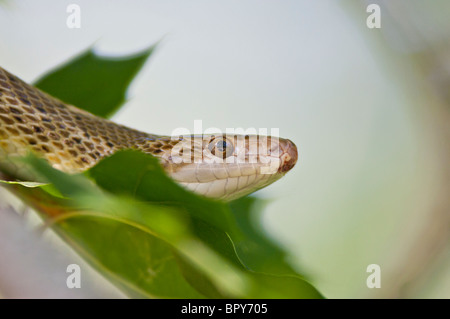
(72,140)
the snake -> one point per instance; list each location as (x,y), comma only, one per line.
(72,140)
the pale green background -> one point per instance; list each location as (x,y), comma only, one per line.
(346,95)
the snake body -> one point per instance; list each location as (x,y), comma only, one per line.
(73,140)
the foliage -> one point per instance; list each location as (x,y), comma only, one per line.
(149,236)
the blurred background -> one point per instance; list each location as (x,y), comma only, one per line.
(369,110)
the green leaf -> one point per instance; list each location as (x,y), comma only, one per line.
(256,249)
(141,264)
(215,222)
(94,83)
(152,249)
(148,235)
(146,180)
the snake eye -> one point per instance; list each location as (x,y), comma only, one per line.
(221,147)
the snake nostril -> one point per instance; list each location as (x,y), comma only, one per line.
(289,155)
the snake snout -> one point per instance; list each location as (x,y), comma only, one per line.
(289,155)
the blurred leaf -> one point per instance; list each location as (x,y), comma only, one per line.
(152,249)
(24,183)
(256,249)
(147,234)
(140,264)
(231,232)
(146,180)
(94,83)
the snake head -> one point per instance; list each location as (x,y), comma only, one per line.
(227,167)
(72,140)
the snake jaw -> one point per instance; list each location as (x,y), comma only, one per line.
(254,164)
